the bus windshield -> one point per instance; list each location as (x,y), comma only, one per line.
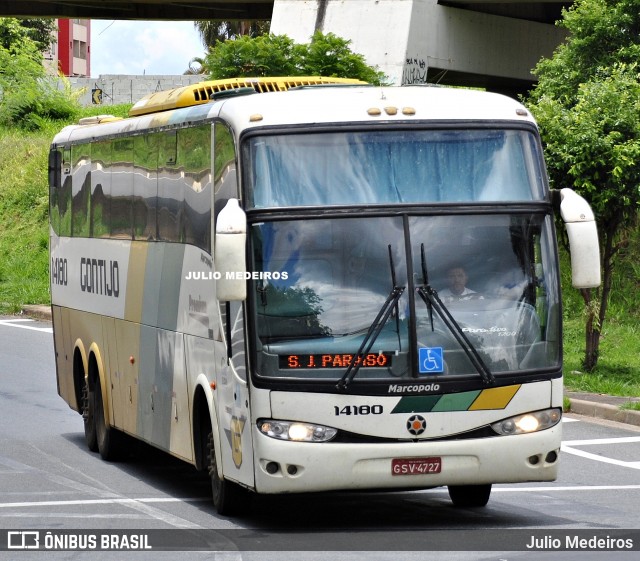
(392,167)
(324,281)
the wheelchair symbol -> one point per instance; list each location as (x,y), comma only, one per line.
(431,360)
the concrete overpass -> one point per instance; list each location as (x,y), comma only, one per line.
(492,43)
(545,11)
(489,44)
(171,10)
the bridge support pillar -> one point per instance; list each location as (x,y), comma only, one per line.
(419,41)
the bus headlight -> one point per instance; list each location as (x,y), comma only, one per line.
(529,422)
(296,431)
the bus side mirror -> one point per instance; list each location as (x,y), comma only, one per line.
(583,239)
(230,252)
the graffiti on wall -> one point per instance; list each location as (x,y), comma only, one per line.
(415,71)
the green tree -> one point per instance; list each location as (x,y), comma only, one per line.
(28,96)
(265,55)
(38,30)
(278,55)
(216,31)
(330,55)
(587,103)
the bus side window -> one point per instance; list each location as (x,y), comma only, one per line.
(81,188)
(170,189)
(64,199)
(101,189)
(225,181)
(121,188)
(194,152)
(145,186)
(55,184)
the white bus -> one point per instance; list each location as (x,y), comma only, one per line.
(321,288)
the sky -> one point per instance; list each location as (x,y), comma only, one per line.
(143,47)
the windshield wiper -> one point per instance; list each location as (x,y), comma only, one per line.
(433,302)
(390,304)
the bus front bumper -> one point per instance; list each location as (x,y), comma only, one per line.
(297,467)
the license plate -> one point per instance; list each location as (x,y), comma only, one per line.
(415,466)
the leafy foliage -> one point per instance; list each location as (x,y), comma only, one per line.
(587,103)
(330,55)
(28,96)
(38,30)
(278,55)
(216,31)
(265,55)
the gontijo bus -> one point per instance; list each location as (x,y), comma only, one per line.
(258,284)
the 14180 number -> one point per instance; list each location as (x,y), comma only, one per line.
(358,410)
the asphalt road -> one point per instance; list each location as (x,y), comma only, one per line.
(50,481)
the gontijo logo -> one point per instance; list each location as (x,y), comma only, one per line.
(416,425)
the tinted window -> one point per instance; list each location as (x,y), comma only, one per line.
(410,166)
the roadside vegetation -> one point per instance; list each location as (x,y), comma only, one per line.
(587,104)
(24,207)
(618,368)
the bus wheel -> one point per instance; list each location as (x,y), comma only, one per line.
(108,439)
(469,495)
(228,497)
(88,416)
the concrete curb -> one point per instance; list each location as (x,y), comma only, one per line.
(604,411)
(37,311)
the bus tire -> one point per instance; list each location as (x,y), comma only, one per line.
(470,496)
(108,439)
(228,497)
(88,416)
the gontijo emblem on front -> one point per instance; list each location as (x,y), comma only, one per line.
(416,425)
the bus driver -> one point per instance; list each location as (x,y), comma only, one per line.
(457,290)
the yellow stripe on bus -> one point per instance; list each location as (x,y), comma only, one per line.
(494,398)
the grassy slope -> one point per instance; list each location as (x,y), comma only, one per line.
(24,230)
(24,268)
(23,219)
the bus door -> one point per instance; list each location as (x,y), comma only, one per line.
(233,399)
(236,448)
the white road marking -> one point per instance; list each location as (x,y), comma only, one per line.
(568,447)
(597,458)
(143,506)
(160,500)
(548,489)
(80,502)
(19,323)
(620,440)
(106,496)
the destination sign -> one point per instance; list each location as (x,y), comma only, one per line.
(334,360)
